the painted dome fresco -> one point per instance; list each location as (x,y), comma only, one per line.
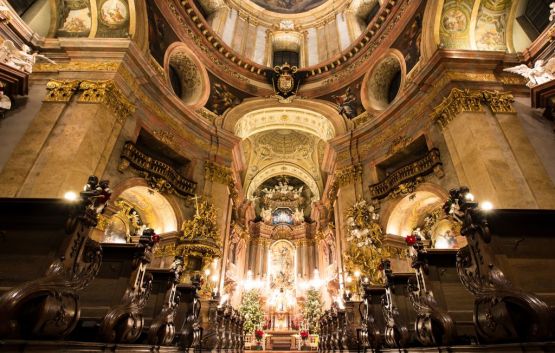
(289,6)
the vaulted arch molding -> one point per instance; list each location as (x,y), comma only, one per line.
(287,169)
(319,118)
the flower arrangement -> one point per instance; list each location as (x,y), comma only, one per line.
(304,334)
(364,238)
(411,239)
(258,334)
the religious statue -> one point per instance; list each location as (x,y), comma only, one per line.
(298,216)
(19,59)
(552,11)
(542,72)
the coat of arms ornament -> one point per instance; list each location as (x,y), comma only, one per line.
(285,79)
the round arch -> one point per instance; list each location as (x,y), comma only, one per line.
(283,168)
(315,110)
(160,212)
(405,214)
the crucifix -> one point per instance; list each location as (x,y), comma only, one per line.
(196,198)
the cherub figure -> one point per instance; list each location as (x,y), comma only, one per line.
(542,72)
(20,59)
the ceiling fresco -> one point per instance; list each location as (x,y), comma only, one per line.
(289,6)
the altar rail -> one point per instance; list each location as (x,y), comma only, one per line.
(499,289)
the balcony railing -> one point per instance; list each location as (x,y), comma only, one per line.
(421,167)
(156,171)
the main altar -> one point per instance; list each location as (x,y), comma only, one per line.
(282,259)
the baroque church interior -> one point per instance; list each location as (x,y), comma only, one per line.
(281,175)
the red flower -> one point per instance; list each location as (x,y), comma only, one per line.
(304,334)
(155,238)
(258,334)
(410,240)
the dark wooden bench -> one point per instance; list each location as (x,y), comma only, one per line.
(118,294)
(372,318)
(398,312)
(32,236)
(444,307)
(508,267)
(46,259)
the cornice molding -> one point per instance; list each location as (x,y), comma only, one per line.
(459,101)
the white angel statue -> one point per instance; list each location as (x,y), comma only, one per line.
(542,72)
(20,59)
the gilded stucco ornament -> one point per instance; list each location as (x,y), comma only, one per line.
(60,91)
(200,235)
(344,177)
(107,92)
(459,101)
(217,173)
(365,249)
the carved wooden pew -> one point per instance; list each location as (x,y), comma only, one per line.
(112,306)
(443,307)
(53,236)
(372,318)
(398,314)
(508,266)
(162,307)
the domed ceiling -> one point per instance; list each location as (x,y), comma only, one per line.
(289,6)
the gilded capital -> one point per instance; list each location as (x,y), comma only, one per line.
(60,91)
(107,92)
(467,100)
(217,173)
(457,102)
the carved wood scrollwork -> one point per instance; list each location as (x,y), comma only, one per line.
(433,325)
(396,332)
(124,323)
(162,328)
(49,307)
(370,333)
(501,312)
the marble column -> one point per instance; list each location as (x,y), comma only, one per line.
(495,160)
(71,138)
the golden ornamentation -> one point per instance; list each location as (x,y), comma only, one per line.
(154,108)
(203,226)
(398,144)
(457,102)
(107,92)
(362,119)
(165,137)
(467,100)
(405,179)
(94,91)
(60,91)
(365,249)
(417,110)
(156,66)
(109,66)
(499,102)
(207,114)
(217,173)
(344,177)
(101,222)
(406,188)
(158,174)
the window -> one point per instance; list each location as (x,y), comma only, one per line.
(285,56)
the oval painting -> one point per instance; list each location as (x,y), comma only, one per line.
(113,13)
(454,20)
